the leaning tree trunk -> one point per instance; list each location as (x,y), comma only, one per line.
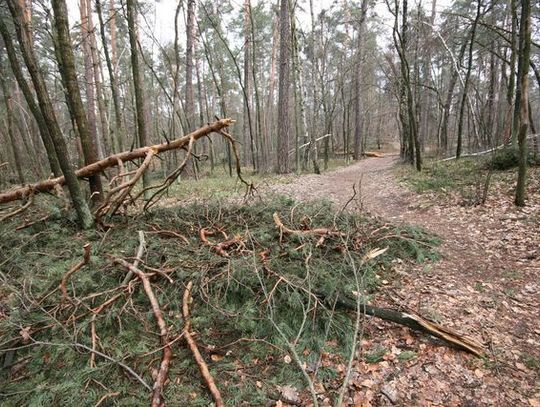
(46,107)
(68,73)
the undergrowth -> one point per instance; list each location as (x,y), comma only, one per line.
(238,301)
(470,178)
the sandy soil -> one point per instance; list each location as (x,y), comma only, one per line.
(487,286)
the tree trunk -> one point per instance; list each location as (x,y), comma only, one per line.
(284,123)
(138,81)
(45,104)
(118,135)
(523,80)
(17,155)
(466,84)
(247,130)
(66,64)
(89,78)
(30,101)
(97,70)
(358,80)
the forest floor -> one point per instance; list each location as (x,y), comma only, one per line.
(486,286)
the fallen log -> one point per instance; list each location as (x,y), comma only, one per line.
(412,321)
(113,160)
(372,154)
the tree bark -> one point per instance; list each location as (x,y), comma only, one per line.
(17,155)
(30,101)
(66,64)
(138,80)
(466,84)
(118,135)
(523,79)
(284,124)
(358,80)
(45,104)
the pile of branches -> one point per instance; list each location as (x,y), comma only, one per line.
(285,275)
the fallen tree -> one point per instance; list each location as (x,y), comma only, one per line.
(116,160)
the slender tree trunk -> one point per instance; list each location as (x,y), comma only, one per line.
(97,70)
(247,130)
(312,147)
(523,79)
(259,134)
(138,81)
(66,64)
(30,101)
(466,84)
(358,81)
(118,134)
(284,124)
(45,104)
(17,154)
(89,78)
(270,111)
(510,98)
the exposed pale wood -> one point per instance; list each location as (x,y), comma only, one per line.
(195,350)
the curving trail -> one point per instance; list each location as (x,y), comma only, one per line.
(486,285)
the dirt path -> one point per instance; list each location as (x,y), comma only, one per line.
(486,285)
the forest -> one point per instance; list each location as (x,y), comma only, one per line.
(275,203)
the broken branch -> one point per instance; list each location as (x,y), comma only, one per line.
(78,266)
(412,321)
(309,232)
(157,394)
(113,160)
(195,350)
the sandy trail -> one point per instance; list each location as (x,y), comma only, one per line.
(486,285)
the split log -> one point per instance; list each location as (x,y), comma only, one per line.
(412,321)
(111,161)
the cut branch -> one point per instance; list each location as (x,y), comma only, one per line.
(195,350)
(113,160)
